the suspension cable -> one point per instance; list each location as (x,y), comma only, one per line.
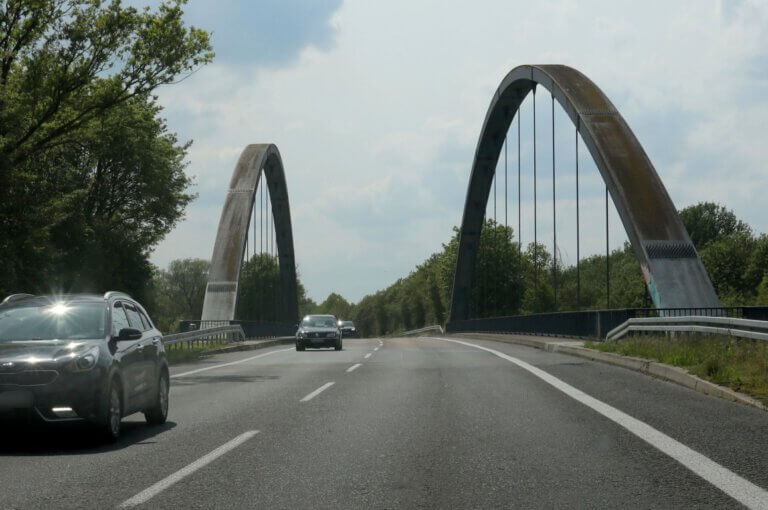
(535,211)
(261,221)
(554,211)
(519,205)
(506,189)
(578,231)
(607,256)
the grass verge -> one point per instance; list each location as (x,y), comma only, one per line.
(182,352)
(737,363)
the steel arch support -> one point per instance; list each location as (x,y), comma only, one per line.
(671,266)
(221,292)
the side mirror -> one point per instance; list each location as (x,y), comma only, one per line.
(128,334)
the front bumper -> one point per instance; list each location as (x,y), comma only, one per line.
(81,392)
(311,343)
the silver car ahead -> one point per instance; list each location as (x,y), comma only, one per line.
(318,331)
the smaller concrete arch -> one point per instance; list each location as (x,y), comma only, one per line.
(255,161)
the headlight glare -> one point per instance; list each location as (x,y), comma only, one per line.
(85,361)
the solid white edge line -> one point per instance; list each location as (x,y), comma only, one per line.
(317,392)
(229,364)
(353,367)
(740,489)
(367,356)
(149,493)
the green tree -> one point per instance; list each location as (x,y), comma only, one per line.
(90,179)
(336,305)
(63,63)
(259,295)
(179,292)
(707,222)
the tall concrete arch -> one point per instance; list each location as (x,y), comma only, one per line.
(671,266)
(256,160)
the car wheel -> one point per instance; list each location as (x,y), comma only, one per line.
(158,413)
(338,346)
(300,347)
(113,412)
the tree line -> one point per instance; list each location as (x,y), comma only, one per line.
(91,179)
(509,280)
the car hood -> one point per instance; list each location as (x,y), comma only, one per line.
(40,351)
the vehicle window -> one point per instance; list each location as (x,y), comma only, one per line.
(319,322)
(63,321)
(145,321)
(119,319)
(133,317)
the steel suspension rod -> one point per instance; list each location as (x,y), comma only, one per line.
(554,211)
(535,211)
(578,228)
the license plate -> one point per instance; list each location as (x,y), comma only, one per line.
(15,399)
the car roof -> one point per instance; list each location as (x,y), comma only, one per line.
(69,298)
(323,316)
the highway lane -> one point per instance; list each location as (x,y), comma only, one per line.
(418,423)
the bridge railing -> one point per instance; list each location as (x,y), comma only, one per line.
(436,329)
(743,328)
(592,323)
(204,337)
(251,329)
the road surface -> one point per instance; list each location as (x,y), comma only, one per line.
(405,423)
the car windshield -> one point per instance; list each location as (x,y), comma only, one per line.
(319,322)
(348,324)
(70,321)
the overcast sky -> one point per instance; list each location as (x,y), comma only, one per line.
(376,108)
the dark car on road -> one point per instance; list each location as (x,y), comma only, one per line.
(81,357)
(318,331)
(348,329)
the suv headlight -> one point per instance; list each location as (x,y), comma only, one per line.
(299,334)
(85,361)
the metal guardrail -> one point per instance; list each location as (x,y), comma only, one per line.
(592,323)
(252,329)
(424,330)
(743,328)
(218,334)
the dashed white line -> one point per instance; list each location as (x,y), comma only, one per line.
(376,349)
(740,489)
(353,367)
(317,392)
(228,364)
(367,355)
(147,494)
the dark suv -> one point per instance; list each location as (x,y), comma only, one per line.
(81,357)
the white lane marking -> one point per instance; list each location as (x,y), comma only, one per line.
(367,355)
(353,367)
(740,489)
(149,493)
(229,364)
(317,392)
(376,349)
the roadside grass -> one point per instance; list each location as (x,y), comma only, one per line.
(183,353)
(738,363)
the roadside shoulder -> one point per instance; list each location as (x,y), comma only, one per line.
(660,370)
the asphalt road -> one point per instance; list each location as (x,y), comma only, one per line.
(420,423)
